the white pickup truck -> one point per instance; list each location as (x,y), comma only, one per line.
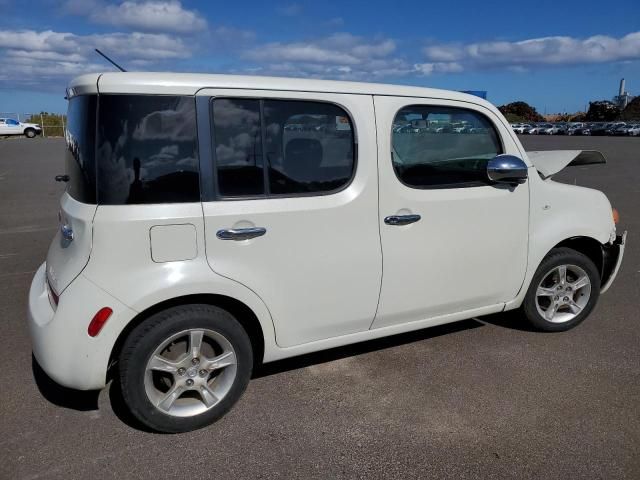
(10,126)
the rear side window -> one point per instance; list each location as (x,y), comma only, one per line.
(440,147)
(80,137)
(238,144)
(281,147)
(147,150)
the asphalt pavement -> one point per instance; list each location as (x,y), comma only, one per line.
(484,398)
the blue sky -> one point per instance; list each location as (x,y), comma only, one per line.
(554,55)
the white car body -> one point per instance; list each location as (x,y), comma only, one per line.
(634,130)
(539,129)
(553,130)
(473,253)
(10,126)
(521,128)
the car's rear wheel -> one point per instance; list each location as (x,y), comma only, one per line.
(563,291)
(185,367)
(29,133)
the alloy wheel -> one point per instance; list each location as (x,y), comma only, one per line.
(190,372)
(563,293)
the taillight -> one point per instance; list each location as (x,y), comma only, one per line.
(98,321)
(616,215)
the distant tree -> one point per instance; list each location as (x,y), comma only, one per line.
(602,111)
(52,122)
(521,110)
(513,118)
(632,110)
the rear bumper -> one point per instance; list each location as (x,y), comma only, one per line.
(59,337)
(612,260)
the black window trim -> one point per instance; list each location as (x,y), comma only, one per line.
(442,186)
(267,195)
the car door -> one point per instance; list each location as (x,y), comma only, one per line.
(13,127)
(451,241)
(3,126)
(293,207)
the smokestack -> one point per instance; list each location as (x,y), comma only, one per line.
(621,87)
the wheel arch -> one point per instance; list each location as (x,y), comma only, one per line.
(241,312)
(588,246)
(585,244)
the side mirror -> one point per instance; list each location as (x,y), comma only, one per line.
(507,169)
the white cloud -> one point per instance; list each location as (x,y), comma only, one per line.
(438,67)
(143,16)
(140,46)
(340,48)
(559,50)
(150,16)
(340,55)
(48,60)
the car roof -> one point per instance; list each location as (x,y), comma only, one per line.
(190,83)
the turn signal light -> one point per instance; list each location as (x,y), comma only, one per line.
(98,321)
(616,215)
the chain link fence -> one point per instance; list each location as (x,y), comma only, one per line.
(52,124)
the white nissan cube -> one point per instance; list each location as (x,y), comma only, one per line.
(211,223)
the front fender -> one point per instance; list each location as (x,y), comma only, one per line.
(559,212)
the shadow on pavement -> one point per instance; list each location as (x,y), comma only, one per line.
(513,319)
(62,396)
(122,412)
(362,347)
(85,401)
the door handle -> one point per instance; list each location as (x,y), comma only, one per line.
(401,219)
(240,233)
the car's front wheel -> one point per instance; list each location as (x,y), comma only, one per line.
(563,291)
(185,367)
(29,133)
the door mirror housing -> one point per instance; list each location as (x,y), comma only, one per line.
(507,169)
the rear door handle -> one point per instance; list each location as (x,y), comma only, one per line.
(401,219)
(240,233)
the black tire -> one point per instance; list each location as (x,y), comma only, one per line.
(556,258)
(150,334)
(29,133)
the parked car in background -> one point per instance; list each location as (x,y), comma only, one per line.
(562,128)
(620,131)
(600,129)
(633,130)
(612,128)
(521,128)
(539,129)
(583,130)
(250,242)
(572,128)
(550,129)
(11,126)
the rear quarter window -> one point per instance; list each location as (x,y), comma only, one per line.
(147,150)
(80,148)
